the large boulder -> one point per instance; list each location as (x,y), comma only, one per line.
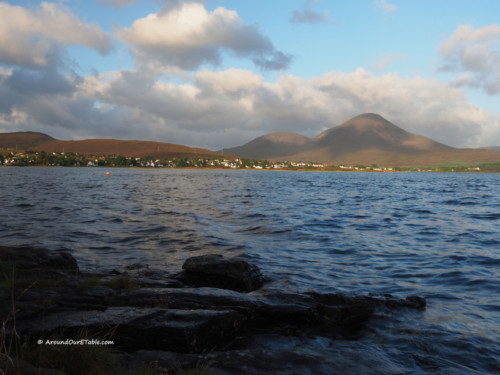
(214,271)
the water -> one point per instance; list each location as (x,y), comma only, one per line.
(435,235)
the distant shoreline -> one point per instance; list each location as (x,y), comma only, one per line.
(325,169)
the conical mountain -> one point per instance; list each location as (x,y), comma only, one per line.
(371,131)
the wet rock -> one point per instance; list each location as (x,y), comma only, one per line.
(215,271)
(38,262)
(388,301)
(346,320)
(187,298)
(134,329)
(416,302)
(165,320)
(159,362)
(139,271)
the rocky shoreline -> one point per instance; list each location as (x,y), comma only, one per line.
(216,312)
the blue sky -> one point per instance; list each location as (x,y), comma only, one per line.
(217,74)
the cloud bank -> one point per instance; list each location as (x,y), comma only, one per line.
(231,107)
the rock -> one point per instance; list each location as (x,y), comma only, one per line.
(134,329)
(15,366)
(159,314)
(187,298)
(416,302)
(388,301)
(215,271)
(38,262)
(156,361)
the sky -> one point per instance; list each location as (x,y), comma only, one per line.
(219,73)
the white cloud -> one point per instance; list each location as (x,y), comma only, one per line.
(385,6)
(188,36)
(28,37)
(476,54)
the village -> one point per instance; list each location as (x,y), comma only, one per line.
(61,159)
(56,159)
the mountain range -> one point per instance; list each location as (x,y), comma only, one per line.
(365,139)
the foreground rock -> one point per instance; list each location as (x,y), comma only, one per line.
(132,328)
(37,262)
(203,311)
(215,271)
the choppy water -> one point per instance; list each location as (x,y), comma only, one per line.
(431,234)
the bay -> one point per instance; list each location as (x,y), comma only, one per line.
(431,234)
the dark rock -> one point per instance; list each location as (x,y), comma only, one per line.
(158,362)
(277,309)
(134,329)
(346,320)
(38,262)
(187,298)
(388,301)
(224,304)
(16,366)
(416,302)
(215,271)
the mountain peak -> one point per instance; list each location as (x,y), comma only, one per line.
(368,137)
(369,116)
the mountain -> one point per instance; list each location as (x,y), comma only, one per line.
(23,140)
(273,145)
(372,131)
(364,139)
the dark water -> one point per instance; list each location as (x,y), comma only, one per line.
(435,235)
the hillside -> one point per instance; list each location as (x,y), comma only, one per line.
(23,140)
(273,145)
(364,139)
(124,148)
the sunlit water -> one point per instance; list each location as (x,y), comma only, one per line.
(435,235)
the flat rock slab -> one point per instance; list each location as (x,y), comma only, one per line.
(134,328)
(214,271)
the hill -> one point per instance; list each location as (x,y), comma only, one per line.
(23,140)
(364,139)
(273,145)
(125,148)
